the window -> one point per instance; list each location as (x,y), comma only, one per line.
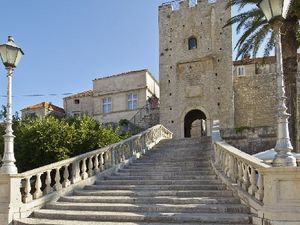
(240,71)
(192,43)
(132,101)
(106,105)
(76,101)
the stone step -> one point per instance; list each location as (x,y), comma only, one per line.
(171,159)
(175,167)
(184,147)
(179,155)
(161,173)
(180,162)
(159,169)
(142,217)
(33,221)
(156,165)
(156,182)
(149,200)
(145,172)
(180,148)
(155,193)
(125,176)
(148,208)
(155,187)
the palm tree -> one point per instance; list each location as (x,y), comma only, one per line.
(257,33)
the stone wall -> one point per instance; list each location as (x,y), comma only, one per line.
(84,105)
(255,100)
(199,78)
(251,140)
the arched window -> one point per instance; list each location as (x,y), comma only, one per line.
(192,43)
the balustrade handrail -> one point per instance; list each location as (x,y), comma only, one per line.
(242,169)
(251,160)
(85,155)
(41,181)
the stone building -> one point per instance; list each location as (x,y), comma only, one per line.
(114,97)
(255,88)
(80,103)
(43,109)
(195,66)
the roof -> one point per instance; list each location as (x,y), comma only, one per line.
(260,60)
(45,105)
(80,95)
(126,73)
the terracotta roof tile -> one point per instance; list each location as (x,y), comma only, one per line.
(45,105)
(81,94)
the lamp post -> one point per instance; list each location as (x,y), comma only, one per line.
(10,55)
(276,11)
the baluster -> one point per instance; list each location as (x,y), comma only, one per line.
(240,174)
(90,167)
(123,153)
(57,185)
(27,197)
(48,187)
(96,164)
(116,155)
(75,172)
(112,157)
(234,170)
(222,162)
(226,164)
(245,184)
(66,181)
(101,162)
(84,174)
(259,195)
(108,159)
(230,167)
(217,157)
(38,184)
(253,188)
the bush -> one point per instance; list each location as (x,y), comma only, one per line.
(41,141)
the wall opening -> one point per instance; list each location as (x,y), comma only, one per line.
(195,124)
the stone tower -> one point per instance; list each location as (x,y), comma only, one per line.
(195,66)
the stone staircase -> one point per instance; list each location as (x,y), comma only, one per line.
(172,184)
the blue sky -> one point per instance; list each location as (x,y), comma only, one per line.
(68,43)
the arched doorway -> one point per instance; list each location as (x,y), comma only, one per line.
(195,124)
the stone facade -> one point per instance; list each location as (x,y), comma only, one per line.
(255,100)
(195,65)
(80,103)
(114,92)
(43,109)
(255,97)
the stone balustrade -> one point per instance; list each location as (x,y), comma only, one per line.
(39,183)
(272,193)
(241,169)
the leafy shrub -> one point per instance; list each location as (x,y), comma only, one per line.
(41,141)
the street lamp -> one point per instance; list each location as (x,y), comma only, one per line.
(276,11)
(10,55)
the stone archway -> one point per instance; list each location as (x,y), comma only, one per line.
(195,124)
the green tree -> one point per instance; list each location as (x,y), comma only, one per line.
(257,33)
(90,134)
(40,141)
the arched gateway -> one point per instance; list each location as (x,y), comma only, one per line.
(195,124)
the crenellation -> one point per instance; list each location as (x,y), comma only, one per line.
(181,5)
